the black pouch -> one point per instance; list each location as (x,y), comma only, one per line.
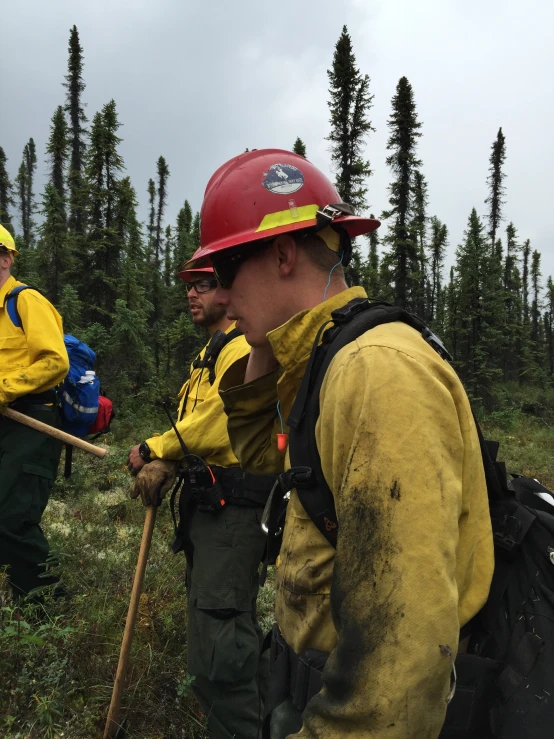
(468,713)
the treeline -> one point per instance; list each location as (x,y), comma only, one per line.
(113,278)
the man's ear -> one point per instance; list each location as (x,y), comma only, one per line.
(286,251)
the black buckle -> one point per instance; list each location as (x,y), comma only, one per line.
(297,477)
(345,314)
(433,340)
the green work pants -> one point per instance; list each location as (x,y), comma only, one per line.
(223,636)
(28,465)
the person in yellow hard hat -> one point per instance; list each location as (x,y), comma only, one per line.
(219,527)
(387,547)
(33,361)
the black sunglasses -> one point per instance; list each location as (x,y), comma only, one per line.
(226,267)
(201,286)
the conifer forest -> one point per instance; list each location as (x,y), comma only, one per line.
(106,251)
(113,278)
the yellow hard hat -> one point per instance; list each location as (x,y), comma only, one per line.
(6,239)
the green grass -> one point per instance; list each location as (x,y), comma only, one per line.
(56,674)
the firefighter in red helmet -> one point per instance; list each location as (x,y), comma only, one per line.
(389,551)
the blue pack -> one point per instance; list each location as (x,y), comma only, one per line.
(80,391)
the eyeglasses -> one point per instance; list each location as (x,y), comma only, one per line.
(227,267)
(201,286)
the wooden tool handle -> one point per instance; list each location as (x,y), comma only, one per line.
(56,433)
(112,722)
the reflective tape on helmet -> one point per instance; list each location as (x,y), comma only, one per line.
(286,217)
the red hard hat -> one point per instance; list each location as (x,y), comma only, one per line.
(266,192)
(200,273)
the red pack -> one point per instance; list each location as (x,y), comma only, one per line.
(104,417)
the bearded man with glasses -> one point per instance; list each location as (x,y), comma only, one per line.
(222,538)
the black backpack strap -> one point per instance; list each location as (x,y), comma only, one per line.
(216,344)
(348,323)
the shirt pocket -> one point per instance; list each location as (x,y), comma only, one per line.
(13,351)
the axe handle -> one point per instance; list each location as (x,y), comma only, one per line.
(112,722)
(56,433)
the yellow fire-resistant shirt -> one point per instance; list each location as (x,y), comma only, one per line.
(414,560)
(32,358)
(202,423)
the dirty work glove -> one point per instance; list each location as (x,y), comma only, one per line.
(154,480)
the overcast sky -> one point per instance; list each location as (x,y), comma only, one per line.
(198,82)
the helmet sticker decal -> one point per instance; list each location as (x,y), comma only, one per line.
(283,179)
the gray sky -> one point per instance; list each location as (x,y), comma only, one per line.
(198,82)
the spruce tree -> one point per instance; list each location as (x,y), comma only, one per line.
(53,257)
(370,269)
(196,232)
(113,161)
(184,247)
(24,182)
(536,303)
(6,196)
(549,327)
(74,107)
(473,356)
(418,227)
(103,165)
(299,147)
(350,102)
(151,227)
(513,320)
(525,281)
(495,183)
(57,150)
(437,249)
(404,127)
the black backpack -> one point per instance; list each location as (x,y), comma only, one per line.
(505,681)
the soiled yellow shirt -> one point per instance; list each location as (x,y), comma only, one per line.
(203,423)
(33,358)
(414,560)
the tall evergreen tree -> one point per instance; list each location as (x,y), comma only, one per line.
(437,248)
(6,196)
(53,253)
(196,232)
(525,281)
(404,127)
(183,246)
(370,269)
(495,183)
(418,268)
(536,303)
(473,346)
(104,163)
(24,182)
(513,322)
(151,227)
(350,102)
(549,326)
(57,149)
(74,107)
(299,147)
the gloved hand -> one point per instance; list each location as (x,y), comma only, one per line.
(154,480)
